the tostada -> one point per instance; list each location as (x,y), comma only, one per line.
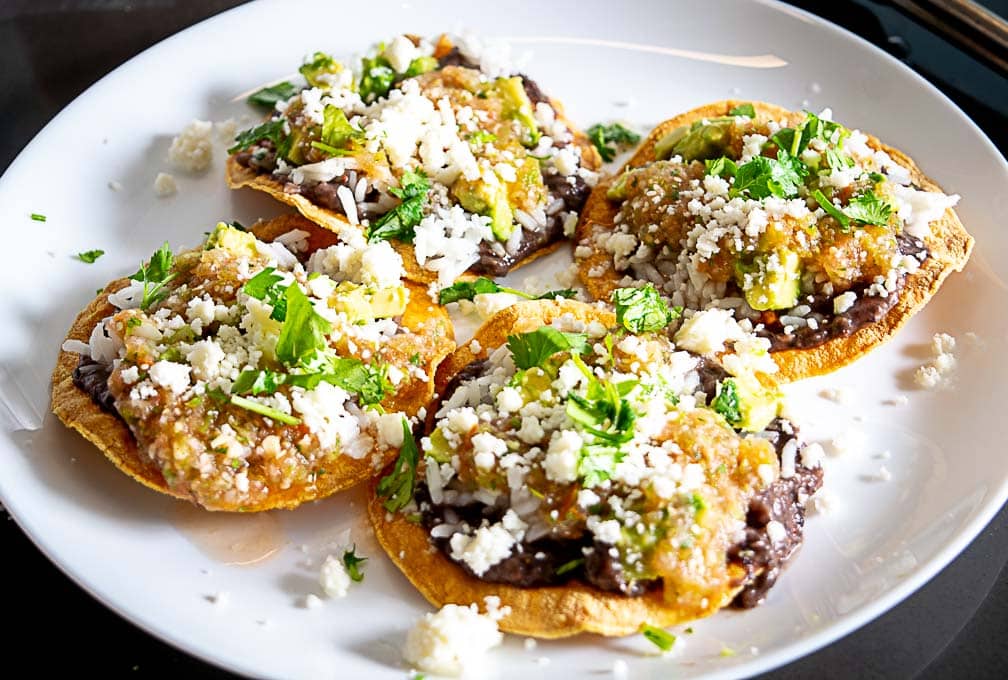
(596,477)
(263,370)
(822,239)
(434,146)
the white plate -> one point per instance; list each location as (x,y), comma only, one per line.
(123,543)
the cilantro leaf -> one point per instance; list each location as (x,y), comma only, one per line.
(353,564)
(304,331)
(155,275)
(661,638)
(337,132)
(320,64)
(400,222)
(272,129)
(265,286)
(642,310)
(726,402)
(762,177)
(267,97)
(746,109)
(38,217)
(569,566)
(264,410)
(257,382)
(467,290)
(397,487)
(831,210)
(601,135)
(90,256)
(867,208)
(533,349)
(722,167)
(376,80)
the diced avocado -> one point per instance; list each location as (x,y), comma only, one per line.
(758,405)
(618,190)
(700,141)
(239,242)
(421,65)
(360,303)
(534,382)
(528,187)
(775,283)
(490,199)
(292,147)
(517,105)
(321,64)
(440,450)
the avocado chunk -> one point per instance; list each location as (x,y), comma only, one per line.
(518,106)
(361,303)
(239,242)
(486,198)
(698,142)
(758,405)
(775,282)
(618,190)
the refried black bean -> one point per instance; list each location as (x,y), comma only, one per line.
(532,90)
(455,58)
(92,377)
(867,309)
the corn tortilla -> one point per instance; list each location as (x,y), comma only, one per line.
(949,247)
(110,434)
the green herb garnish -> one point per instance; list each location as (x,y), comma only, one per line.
(415,359)
(303,336)
(397,487)
(762,177)
(257,382)
(400,222)
(90,256)
(602,135)
(867,208)
(696,502)
(569,566)
(155,275)
(530,350)
(337,132)
(320,64)
(661,638)
(642,310)
(266,286)
(420,65)
(747,110)
(267,97)
(376,80)
(271,129)
(264,410)
(726,402)
(353,564)
(38,217)
(467,290)
(722,167)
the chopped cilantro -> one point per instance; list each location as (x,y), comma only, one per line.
(303,336)
(467,290)
(415,359)
(481,137)
(155,275)
(337,132)
(831,210)
(867,208)
(722,167)
(264,410)
(267,97)
(376,80)
(696,502)
(397,487)
(726,402)
(353,564)
(747,110)
(320,64)
(257,382)
(38,217)
(265,286)
(369,382)
(90,256)
(271,129)
(569,566)
(602,135)
(661,638)
(642,310)
(533,349)
(399,222)
(762,177)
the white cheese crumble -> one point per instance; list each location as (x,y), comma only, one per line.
(192,149)
(164,184)
(451,640)
(562,456)
(170,375)
(485,548)
(706,332)
(333,577)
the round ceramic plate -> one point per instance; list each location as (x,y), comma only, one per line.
(176,573)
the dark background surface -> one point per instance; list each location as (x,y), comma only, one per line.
(51,50)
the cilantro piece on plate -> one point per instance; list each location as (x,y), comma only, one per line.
(267,97)
(397,487)
(831,210)
(762,177)
(38,217)
(90,256)
(353,564)
(747,110)
(400,222)
(659,637)
(602,136)
(722,167)
(467,290)
(257,382)
(569,566)
(867,208)
(264,410)
(155,275)
(726,402)
(272,130)
(265,286)
(530,350)
(642,310)
(303,336)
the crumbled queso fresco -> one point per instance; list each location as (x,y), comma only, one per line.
(790,223)
(656,488)
(242,372)
(455,638)
(432,143)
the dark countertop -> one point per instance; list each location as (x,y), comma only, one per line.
(955,626)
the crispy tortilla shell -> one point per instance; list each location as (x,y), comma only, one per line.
(949,246)
(239,176)
(545,611)
(110,434)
